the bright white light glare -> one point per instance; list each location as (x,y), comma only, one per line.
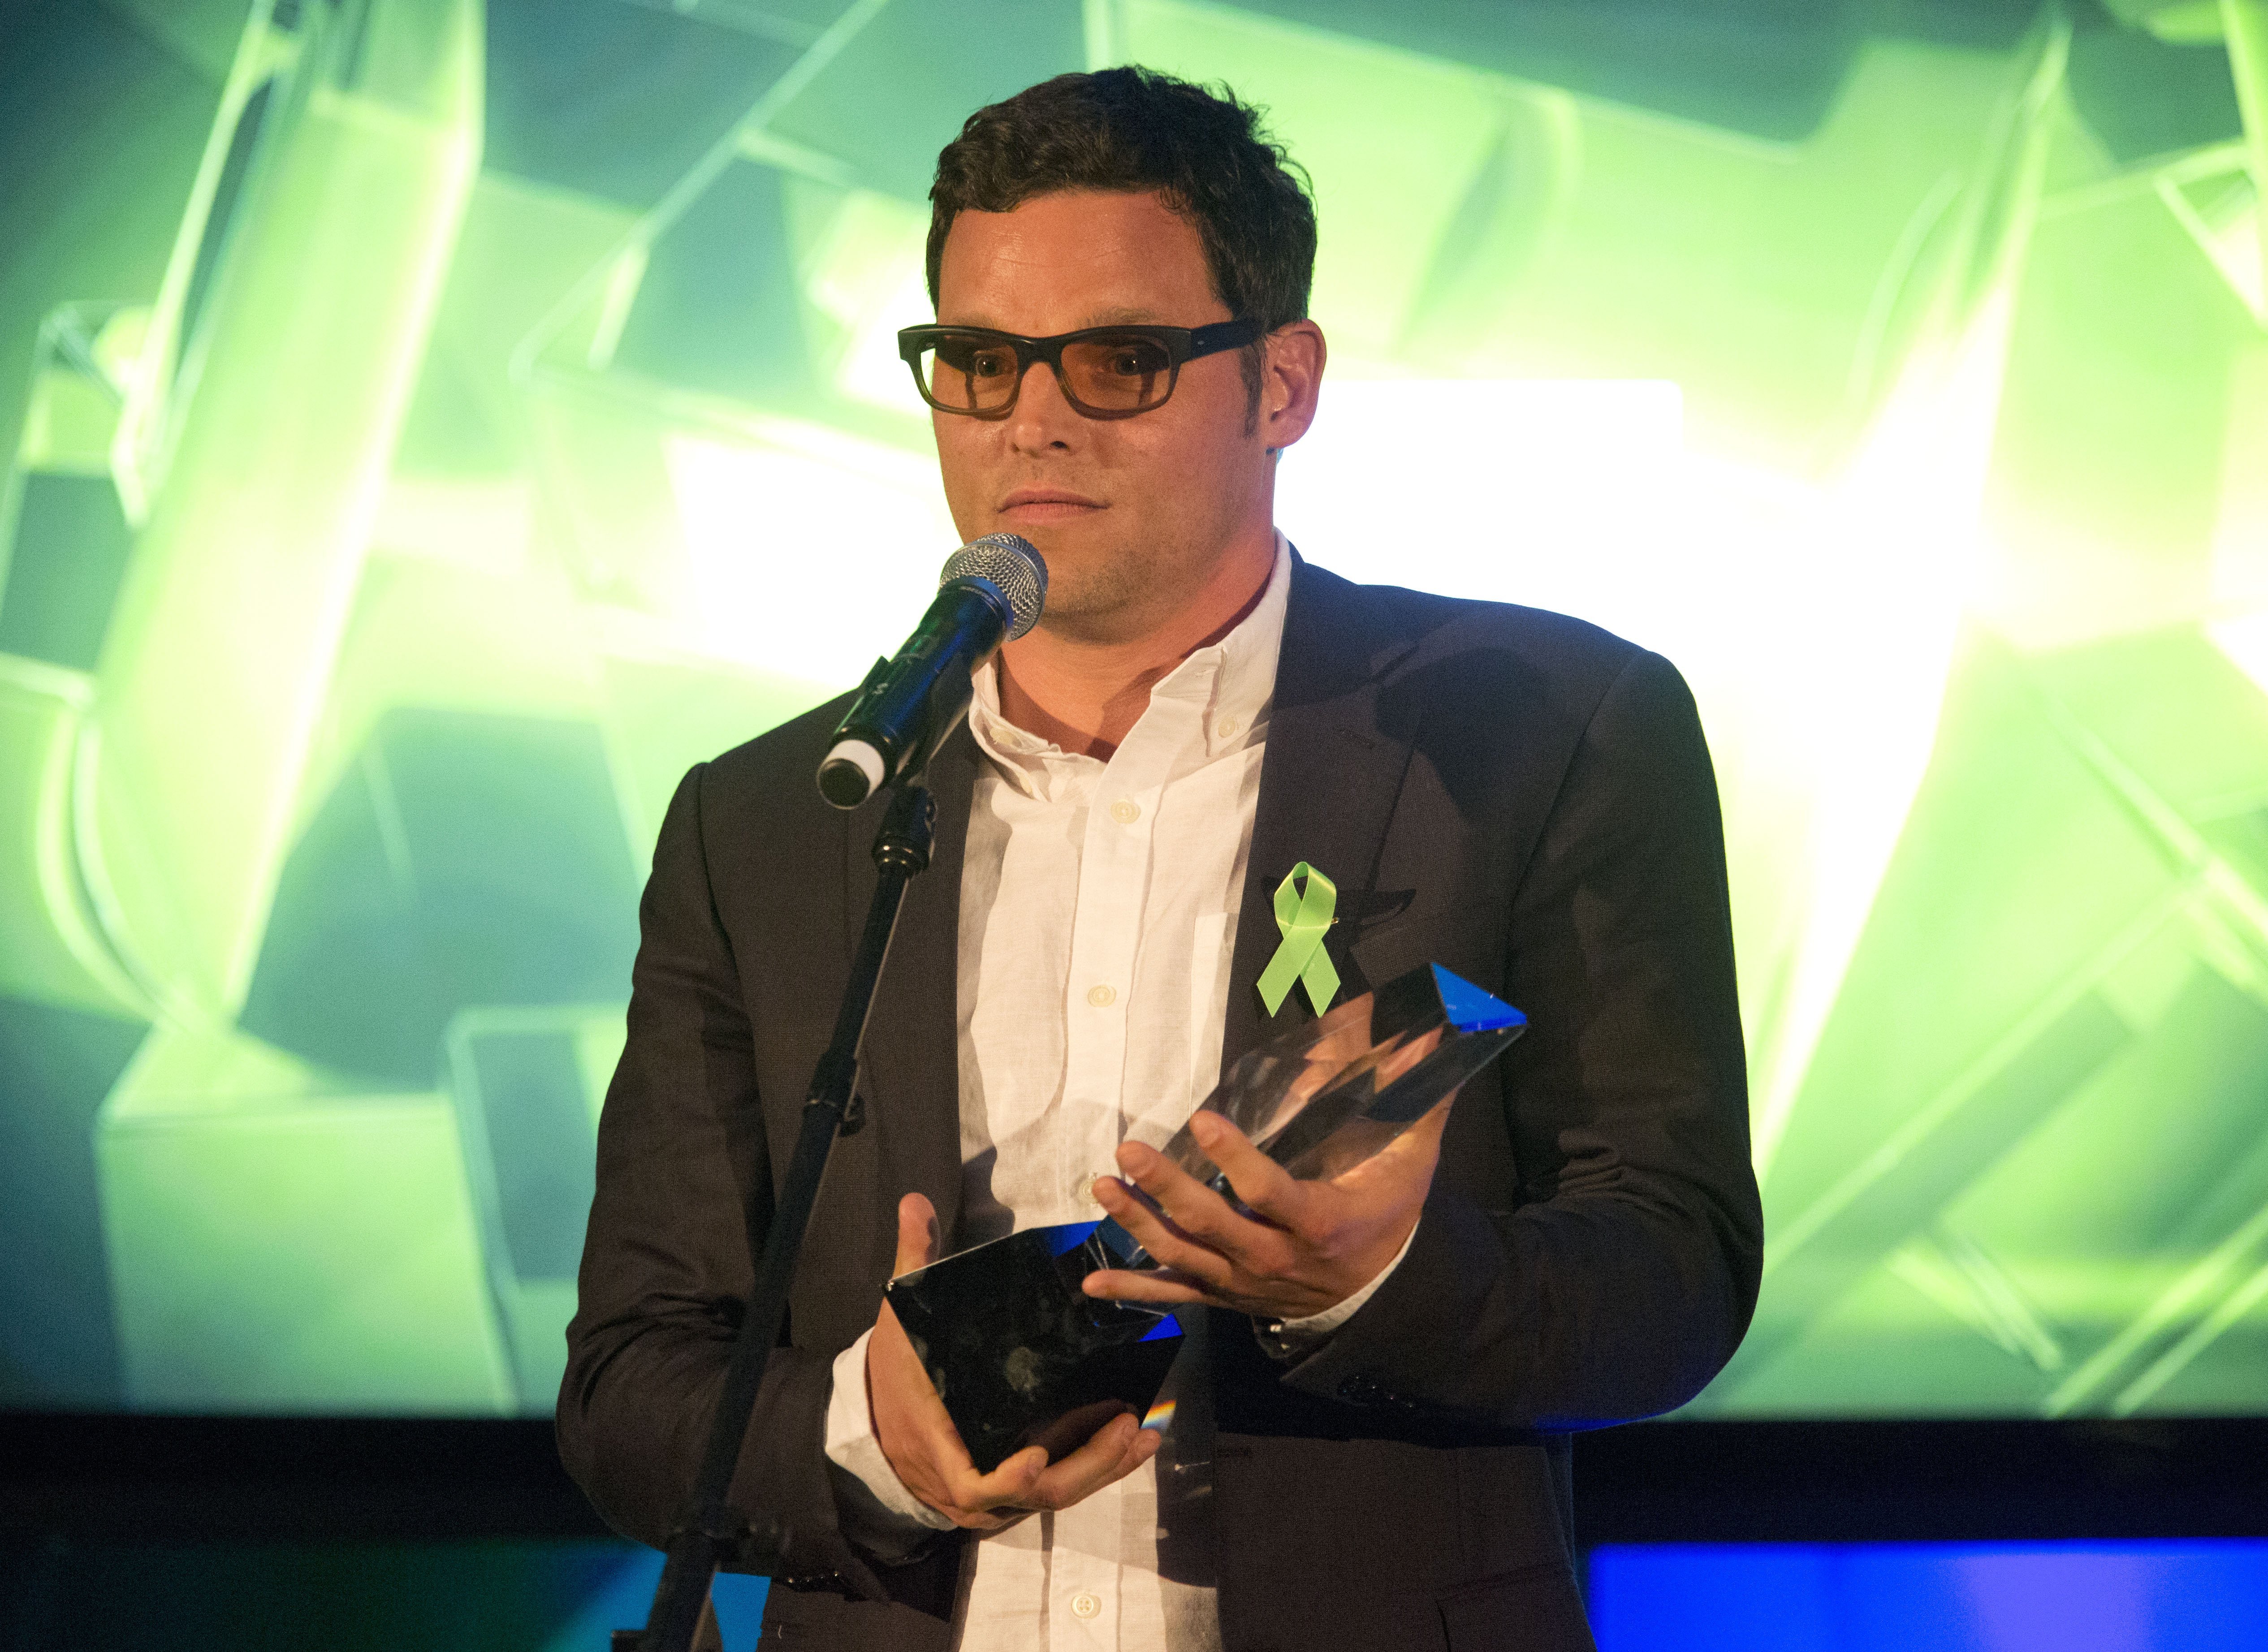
(810,553)
(1555,494)
(870,369)
(1814,620)
(2243,641)
(866,273)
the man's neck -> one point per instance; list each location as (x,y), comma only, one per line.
(1084,694)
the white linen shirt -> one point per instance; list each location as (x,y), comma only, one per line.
(1098,917)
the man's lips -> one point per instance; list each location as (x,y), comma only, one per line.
(1047,504)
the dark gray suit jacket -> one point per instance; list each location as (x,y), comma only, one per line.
(1515,795)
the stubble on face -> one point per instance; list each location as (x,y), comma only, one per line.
(1091,603)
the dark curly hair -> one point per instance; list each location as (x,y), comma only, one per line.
(1133,129)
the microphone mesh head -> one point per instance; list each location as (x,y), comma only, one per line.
(1010,563)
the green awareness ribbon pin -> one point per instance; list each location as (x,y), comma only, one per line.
(1303,916)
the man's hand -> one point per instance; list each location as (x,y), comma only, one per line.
(918,1435)
(1307,1247)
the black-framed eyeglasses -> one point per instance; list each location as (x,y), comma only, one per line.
(1106,372)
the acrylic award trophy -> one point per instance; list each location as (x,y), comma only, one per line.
(1021,1356)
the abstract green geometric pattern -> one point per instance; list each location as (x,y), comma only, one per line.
(432,425)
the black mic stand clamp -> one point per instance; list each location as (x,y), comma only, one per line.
(714,1531)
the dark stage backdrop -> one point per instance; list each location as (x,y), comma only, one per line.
(431,426)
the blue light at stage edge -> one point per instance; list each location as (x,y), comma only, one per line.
(2170,1597)
(622,1602)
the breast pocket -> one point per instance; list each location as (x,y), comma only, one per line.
(1470,942)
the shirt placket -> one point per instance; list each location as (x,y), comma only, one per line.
(1106,936)
(1115,855)
(1083,1601)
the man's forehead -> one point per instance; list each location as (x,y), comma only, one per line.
(1073,226)
(1108,259)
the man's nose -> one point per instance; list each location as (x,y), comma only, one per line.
(1043,416)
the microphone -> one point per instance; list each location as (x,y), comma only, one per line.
(991,591)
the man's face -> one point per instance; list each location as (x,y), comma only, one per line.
(1131,514)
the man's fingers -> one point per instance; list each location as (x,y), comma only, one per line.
(917,1233)
(1127,1200)
(1200,1234)
(1169,1186)
(1165,1240)
(1265,1187)
(1026,1484)
(1111,1453)
(1159,1287)
(1192,1208)
(980,1502)
(1007,1487)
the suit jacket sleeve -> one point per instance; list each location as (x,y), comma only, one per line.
(667,1261)
(1619,1274)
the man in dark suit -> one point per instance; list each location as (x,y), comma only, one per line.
(1372,1447)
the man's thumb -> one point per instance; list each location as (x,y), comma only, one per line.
(917,1233)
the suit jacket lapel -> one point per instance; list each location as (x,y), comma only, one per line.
(910,1063)
(1328,786)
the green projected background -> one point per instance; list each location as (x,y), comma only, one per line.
(431,426)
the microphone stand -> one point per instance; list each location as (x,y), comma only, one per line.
(680,1600)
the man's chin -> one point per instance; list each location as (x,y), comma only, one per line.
(1103,611)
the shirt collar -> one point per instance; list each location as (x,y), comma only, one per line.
(1231,684)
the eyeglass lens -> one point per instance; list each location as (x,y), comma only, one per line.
(1114,373)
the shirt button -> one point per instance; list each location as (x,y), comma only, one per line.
(1125,812)
(1102,997)
(1085,1606)
(1225,727)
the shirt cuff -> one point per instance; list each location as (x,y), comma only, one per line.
(876,1510)
(1289,1339)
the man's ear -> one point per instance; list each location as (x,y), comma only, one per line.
(1290,383)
